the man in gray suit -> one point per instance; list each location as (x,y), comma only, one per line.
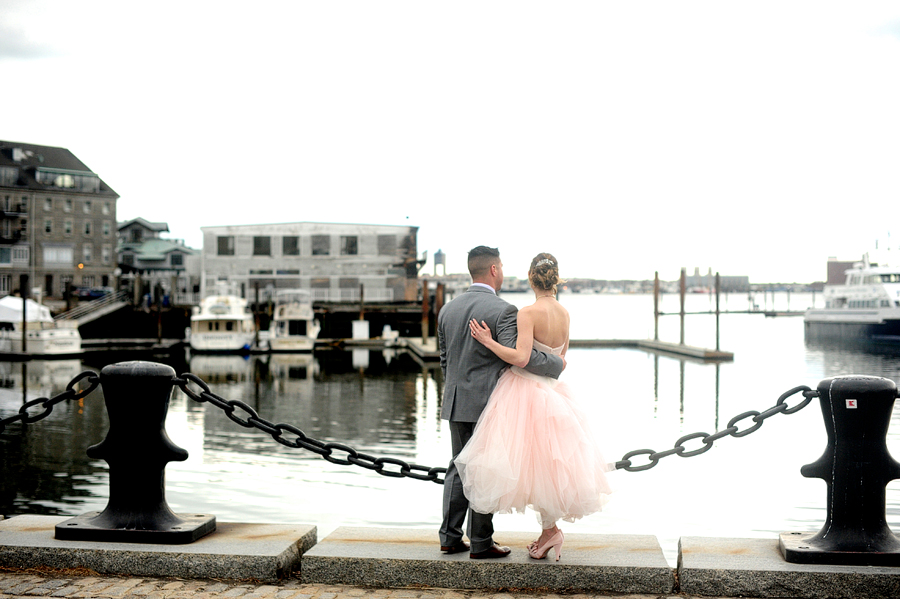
(470,374)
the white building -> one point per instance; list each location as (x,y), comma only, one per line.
(334,261)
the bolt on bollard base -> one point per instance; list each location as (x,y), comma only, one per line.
(857,467)
(137,450)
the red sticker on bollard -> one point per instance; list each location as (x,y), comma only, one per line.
(851,404)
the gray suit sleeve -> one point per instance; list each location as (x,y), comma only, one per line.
(540,363)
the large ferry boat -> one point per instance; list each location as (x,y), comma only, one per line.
(866,306)
(222,323)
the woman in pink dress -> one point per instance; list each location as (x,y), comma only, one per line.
(532,446)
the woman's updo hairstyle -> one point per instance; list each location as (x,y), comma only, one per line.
(544,273)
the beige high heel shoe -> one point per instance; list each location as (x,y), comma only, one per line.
(554,542)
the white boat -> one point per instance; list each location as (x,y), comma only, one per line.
(222,323)
(43,335)
(866,306)
(293,327)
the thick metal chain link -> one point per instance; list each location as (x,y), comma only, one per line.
(731,430)
(297,439)
(293,437)
(70,394)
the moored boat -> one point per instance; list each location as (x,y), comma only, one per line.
(866,306)
(43,335)
(222,323)
(293,327)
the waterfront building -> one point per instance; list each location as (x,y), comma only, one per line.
(151,264)
(707,283)
(334,261)
(57,221)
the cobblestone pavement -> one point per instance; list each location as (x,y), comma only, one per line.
(15,584)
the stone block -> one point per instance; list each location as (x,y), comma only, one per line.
(266,552)
(395,558)
(756,568)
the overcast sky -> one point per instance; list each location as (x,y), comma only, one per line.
(753,138)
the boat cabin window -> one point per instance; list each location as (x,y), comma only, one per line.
(893,277)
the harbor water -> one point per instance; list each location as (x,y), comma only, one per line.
(386,404)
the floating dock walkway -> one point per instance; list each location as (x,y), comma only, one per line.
(427,350)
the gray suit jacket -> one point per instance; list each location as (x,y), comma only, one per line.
(470,369)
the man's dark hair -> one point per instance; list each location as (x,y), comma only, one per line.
(481,259)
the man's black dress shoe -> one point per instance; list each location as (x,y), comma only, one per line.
(457,548)
(495,551)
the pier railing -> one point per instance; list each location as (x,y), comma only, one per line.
(855,465)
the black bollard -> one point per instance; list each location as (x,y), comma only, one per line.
(857,467)
(137,450)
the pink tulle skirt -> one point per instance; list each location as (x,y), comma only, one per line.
(532,447)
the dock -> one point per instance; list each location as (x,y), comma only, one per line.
(289,561)
(427,350)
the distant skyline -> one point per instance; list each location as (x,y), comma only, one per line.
(754,138)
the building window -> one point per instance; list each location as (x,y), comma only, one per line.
(106,254)
(128,259)
(9,176)
(262,246)
(290,246)
(321,245)
(48,205)
(87,253)
(176,259)
(5,284)
(349,245)
(67,206)
(58,255)
(107,228)
(67,227)
(87,280)
(87,206)
(20,255)
(48,226)
(88,227)
(226,245)
(5,255)
(106,208)
(137,235)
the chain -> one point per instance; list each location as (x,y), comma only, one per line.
(732,429)
(293,437)
(47,403)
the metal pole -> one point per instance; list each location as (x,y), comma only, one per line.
(656,306)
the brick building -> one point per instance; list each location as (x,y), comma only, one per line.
(57,221)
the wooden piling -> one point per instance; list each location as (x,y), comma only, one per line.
(656,306)
(424,311)
(682,290)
